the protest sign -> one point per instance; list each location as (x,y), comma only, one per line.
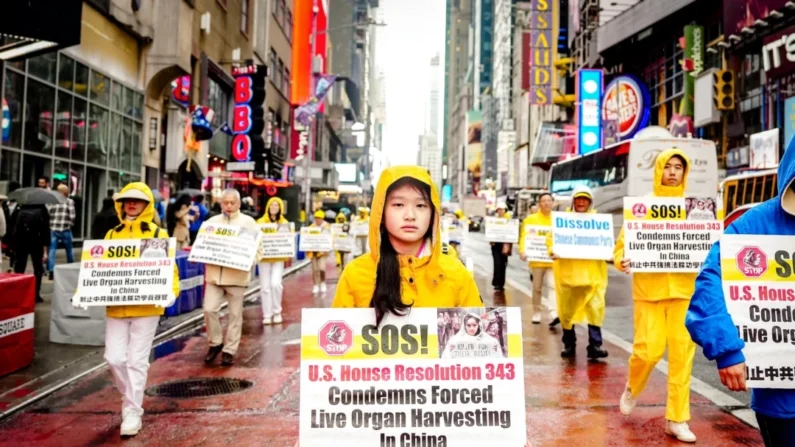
(499,229)
(360,228)
(669,234)
(582,235)
(535,243)
(344,242)
(226,246)
(277,241)
(433,377)
(315,239)
(123,272)
(759,289)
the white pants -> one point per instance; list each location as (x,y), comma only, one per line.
(128,342)
(270,287)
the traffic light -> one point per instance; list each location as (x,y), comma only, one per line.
(723,89)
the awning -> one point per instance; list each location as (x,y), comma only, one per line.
(636,19)
(32,27)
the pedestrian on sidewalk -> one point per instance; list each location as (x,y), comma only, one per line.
(457,239)
(272,270)
(341,220)
(542,275)
(660,305)
(226,284)
(580,287)
(712,328)
(198,214)
(32,239)
(130,330)
(405,267)
(178,221)
(62,218)
(105,220)
(318,258)
(499,254)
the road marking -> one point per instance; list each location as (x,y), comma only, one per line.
(714,395)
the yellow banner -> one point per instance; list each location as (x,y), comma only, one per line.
(771,272)
(310,349)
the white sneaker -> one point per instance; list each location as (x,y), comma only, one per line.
(266,321)
(277,319)
(323,287)
(627,402)
(131,425)
(316,289)
(679,430)
(537,318)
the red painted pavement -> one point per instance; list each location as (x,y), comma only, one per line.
(569,402)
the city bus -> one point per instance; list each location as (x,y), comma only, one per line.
(627,169)
(744,191)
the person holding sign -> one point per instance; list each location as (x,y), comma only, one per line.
(318,258)
(499,254)
(541,274)
(714,329)
(361,239)
(130,329)
(661,301)
(341,220)
(580,286)
(272,270)
(456,237)
(226,284)
(406,267)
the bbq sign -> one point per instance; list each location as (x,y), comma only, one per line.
(248,120)
(627,102)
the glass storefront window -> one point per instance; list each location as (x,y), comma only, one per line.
(81,79)
(63,125)
(129,101)
(60,174)
(33,168)
(39,114)
(116,97)
(218,99)
(9,167)
(137,132)
(79,118)
(98,135)
(100,88)
(76,174)
(43,66)
(113,181)
(66,72)
(115,141)
(126,145)
(138,106)
(13,96)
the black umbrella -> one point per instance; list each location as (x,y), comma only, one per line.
(36,196)
(189,191)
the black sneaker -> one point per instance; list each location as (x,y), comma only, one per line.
(39,299)
(554,323)
(52,276)
(568,351)
(227,359)
(212,353)
(596,352)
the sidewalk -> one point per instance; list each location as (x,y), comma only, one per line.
(569,402)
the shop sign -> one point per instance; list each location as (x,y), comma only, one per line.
(248,117)
(764,150)
(627,101)
(539,49)
(778,53)
(590,84)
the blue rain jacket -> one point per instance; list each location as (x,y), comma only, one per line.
(708,322)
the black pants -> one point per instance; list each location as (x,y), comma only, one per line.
(193,235)
(36,253)
(776,432)
(500,264)
(594,336)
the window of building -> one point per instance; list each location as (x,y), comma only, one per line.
(39,112)
(289,25)
(280,74)
(222,3)
(287,84)
(218,99)
(278,10)
(244,6)
(273,66)
(13,95)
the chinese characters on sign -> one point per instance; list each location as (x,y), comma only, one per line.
(226,246)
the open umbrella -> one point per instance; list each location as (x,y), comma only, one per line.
(189,191)
(157,195)
(330,214)
(37,196)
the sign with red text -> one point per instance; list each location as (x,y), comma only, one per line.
(759,288)
(433,377)
(248,116)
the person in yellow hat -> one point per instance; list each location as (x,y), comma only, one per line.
(406,267)
(580,287)
(272,270)
(342,220)
(541,273)
(661,301)
(363,215)
(318,258)
(130,329)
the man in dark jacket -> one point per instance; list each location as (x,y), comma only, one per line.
(32,238)
(105,220)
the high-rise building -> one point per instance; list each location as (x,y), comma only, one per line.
(432,108)
(483,26)
(458,92)
(430,154)
(430,157)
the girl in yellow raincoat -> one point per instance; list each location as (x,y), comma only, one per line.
(661,301)
(405,267)
(580,286)
(272,270)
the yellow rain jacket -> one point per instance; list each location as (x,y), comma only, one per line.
(266,219)
(318,254)
(660,286)
(580,285)
(142,227)
(538,219)
(430,281)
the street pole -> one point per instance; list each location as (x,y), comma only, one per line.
(310,136)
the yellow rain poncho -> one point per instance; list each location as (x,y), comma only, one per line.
(661,301)
(580,284)
(538,219)
(266,219)
(433,280)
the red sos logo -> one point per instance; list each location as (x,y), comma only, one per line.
(97,251)
(209,229)
(639,210)
(335,338)
(752,262)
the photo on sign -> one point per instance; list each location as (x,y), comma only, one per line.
(246,233)
(700,208)
(472,333)
(154,248)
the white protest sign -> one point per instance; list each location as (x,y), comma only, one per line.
(226,246)
(669,234)
(582,235)
(123,272)
(535,243)
(433,377)
(277,241)
(360,227)
(344,242)
(499,229)
(759,289)
(315,239)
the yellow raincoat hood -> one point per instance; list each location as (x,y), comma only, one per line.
(659,167)
(428,281)
(148,213)
(341,219)
(266,218)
